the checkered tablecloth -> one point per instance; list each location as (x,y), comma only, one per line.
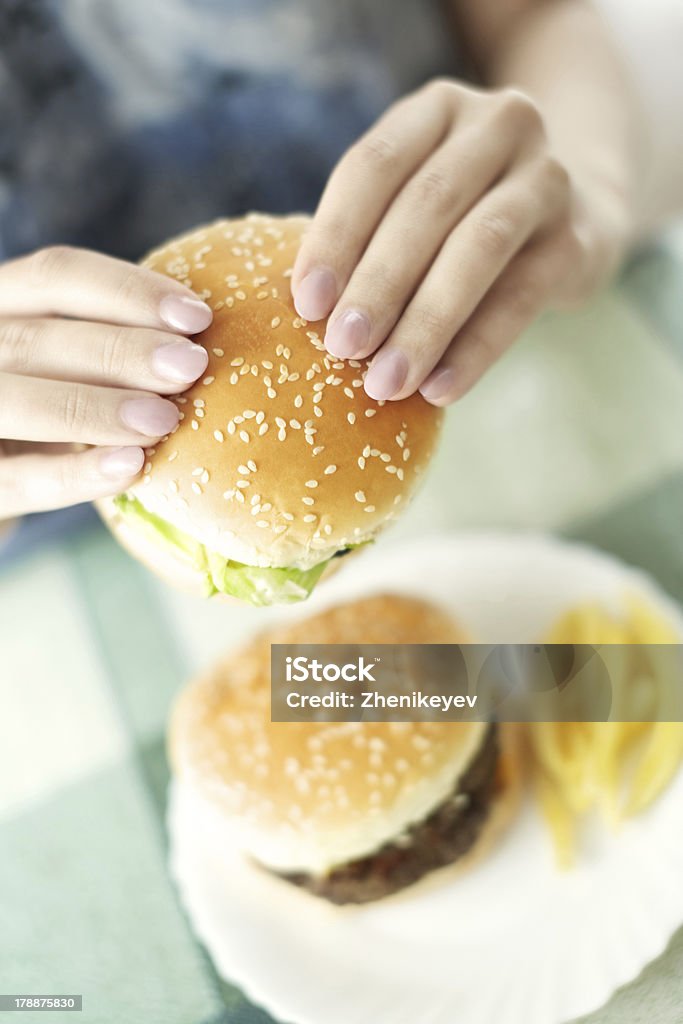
(579,431)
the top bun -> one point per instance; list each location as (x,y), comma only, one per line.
(281,459)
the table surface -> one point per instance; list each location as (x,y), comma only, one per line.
(579,430)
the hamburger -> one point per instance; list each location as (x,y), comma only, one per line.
(350,811)
(281,462)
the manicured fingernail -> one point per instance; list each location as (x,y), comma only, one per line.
(183,313)
(180,361)
(122,463)
(348,336)
(151,416)
(316,295)
(439,385)
(387,375)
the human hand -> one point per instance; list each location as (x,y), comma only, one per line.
(443,232)
(88,344)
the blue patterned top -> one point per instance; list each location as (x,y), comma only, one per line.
(123,122)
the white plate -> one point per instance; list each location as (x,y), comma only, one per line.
(514,941)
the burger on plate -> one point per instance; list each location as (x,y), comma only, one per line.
(351,811)
(281,461)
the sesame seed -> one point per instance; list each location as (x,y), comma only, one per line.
(311,483)
(240,294)
(317,410)
(295,424)
(349,393)
(328,529)
(370,412)
(308,501)
(351,417)
(385,457)
(288,516)
(242,483)
(361,462)
(252,465)
(208,380)
(196,488)
(330,469)
(205,477)
(218,352)
(243,470)
(369,508)
(249,414)
(237,362)
(391,469)
(266,364)
(239,496)
(231,427)
(198,403)
(399,474)
(275,322)
(310,518)
(234,378)
(280,422)
(262,429)
(244,436)
(374,452)
(244,369)
(399,441)
(195,425)
(262,295)
(406,454)
(260,416)
(298,402)
(282,434)
(199,413)
(367,450)
(360,496)
(271,392)
(280,528)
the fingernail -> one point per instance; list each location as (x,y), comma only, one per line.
(183,313)
(349,335)
(122,463)
(151,416)
(387,375)
(180,361)
(316,294)
(439,385)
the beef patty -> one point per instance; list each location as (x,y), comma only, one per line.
(441,838)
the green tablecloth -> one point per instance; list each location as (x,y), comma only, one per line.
(579,430)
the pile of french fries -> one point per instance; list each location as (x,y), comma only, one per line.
(615,768)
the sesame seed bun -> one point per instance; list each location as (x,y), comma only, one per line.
(310,796)
(281,459)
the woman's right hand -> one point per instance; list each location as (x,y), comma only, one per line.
(88,344)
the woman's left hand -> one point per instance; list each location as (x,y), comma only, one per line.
(443,232)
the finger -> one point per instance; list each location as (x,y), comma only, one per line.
(471,260)
(516,300)
(93,353)
(34,409)
(61,281)
(38,482)
(359,192)
(415,227)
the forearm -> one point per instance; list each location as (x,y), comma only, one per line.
(561,54)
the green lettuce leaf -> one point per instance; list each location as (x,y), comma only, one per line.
(258,586)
